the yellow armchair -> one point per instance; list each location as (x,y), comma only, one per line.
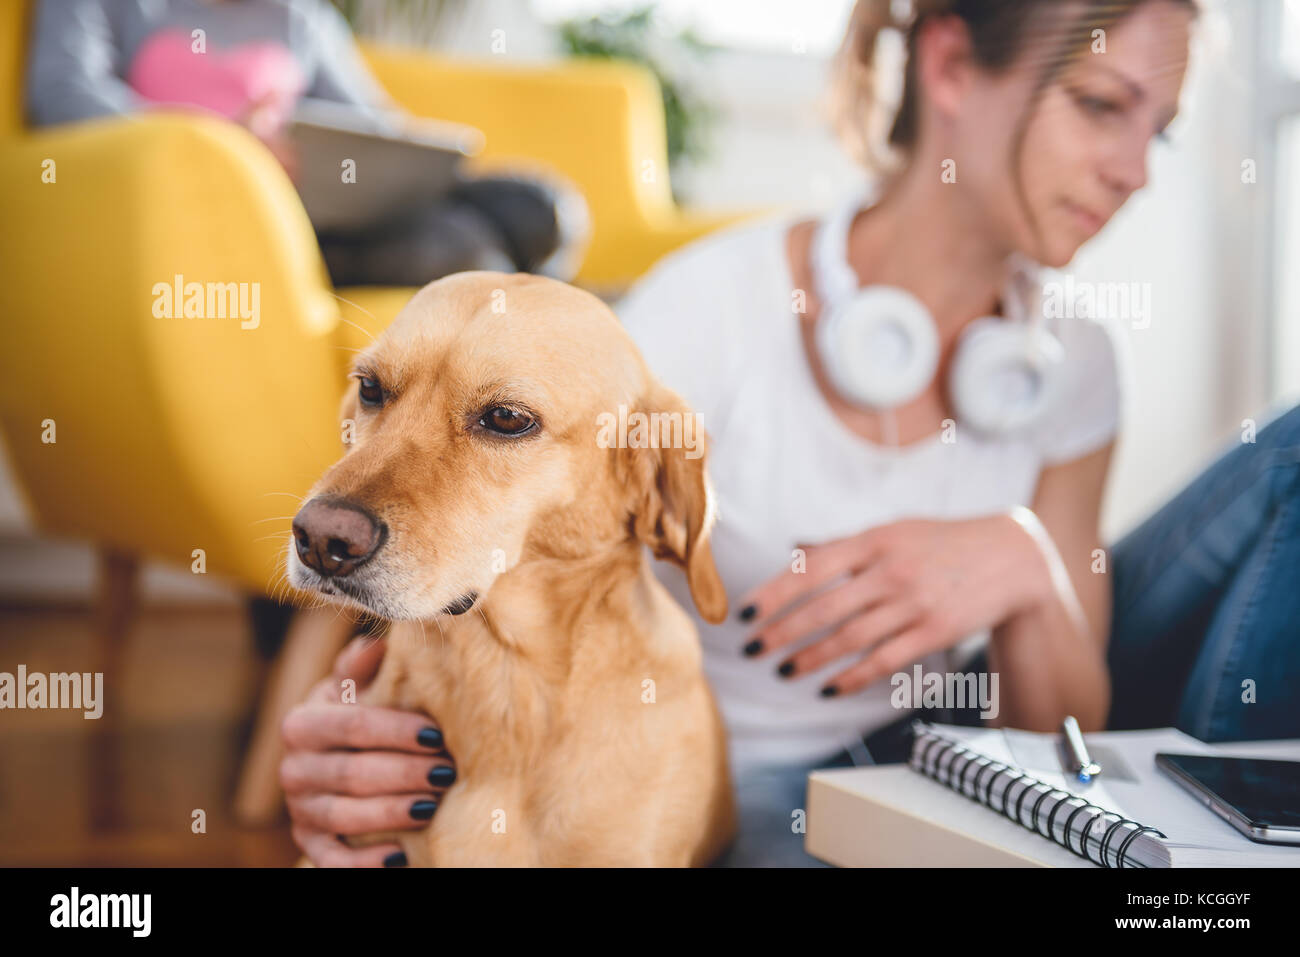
(600,123)
(168,431)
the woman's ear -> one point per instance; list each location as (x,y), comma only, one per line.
(945,68)
(671,499)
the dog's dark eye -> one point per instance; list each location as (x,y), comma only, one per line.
(506,421)
(370,392)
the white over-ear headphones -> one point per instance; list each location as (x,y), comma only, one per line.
(880,348)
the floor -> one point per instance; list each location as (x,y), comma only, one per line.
(149,784)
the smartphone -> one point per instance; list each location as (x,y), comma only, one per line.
(1259,797)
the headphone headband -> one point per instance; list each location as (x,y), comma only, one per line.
(833,276)
(835,281)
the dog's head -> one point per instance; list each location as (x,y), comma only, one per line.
(501,419)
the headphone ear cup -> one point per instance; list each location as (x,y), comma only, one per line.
(880,348)
(1004,375)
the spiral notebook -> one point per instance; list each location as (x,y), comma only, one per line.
(989,768)
(1079,824)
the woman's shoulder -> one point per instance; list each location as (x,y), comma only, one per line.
(1093,349)
(694,315)
(711,295)
(1086,412)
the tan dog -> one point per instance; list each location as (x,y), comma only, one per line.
(481,510)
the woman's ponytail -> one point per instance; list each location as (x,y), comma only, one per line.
(857,115)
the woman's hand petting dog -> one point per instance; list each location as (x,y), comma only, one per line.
(357,769)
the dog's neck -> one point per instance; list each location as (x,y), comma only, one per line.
(544,604)
(553,629)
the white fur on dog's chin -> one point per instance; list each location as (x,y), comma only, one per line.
(388,594)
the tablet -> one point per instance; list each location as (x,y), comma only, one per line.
(355,172)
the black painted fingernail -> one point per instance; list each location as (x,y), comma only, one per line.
(754,647)
(830,691)
(423,810)
(748,612)
(395,859)
(442,776)
(786,669)
(429,738)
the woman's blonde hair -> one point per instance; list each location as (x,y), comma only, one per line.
(999,31)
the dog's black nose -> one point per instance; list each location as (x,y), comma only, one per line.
(335,537)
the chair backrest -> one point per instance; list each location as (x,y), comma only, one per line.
(15,22)
(171,431)
(600,123)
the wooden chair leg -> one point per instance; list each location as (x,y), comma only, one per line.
(115,604)
(314,639)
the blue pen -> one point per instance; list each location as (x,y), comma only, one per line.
(1084,768)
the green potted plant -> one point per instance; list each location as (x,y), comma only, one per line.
(635,36)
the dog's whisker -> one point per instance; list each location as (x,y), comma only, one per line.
(354,305)
(353,324)
(338,610)
(278,577)
(273,518)
(292,495)
(281,579)
(442,635)
(262,538)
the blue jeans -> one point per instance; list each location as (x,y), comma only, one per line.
(1207,600)
(771,803)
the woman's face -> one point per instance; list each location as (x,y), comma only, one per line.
(1085,144)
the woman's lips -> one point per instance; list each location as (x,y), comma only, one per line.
(1089,222)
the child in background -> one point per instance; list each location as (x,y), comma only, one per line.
(256,62)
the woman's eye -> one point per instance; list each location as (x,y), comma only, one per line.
(506,421)
(370,392)
(1095,105)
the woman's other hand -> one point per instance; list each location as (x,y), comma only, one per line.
(267,119)
(909,588)
(356,769)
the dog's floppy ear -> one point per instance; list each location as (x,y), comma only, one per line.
(671,499)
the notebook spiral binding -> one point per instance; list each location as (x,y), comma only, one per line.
(929,742)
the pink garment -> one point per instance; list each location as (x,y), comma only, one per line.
(255,83)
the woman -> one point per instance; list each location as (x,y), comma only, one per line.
(858,541)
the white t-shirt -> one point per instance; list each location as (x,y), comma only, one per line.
(715,322)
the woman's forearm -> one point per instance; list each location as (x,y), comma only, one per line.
(1049,654)
(1048,670)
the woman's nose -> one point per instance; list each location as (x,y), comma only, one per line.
(1126,173)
